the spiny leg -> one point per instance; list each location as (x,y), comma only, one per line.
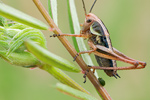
(116,68)
(92,46)
(55,35)
(82,52)
(109,54)
(115,54)
(72,35)
(85,74)
(124,56)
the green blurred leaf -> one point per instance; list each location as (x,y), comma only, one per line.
(16,15)
(20,58)
(74,92)
(28,33)
(2,21)
(62,77)
(12,48)
(52,8)
(49,8)
(50,58)
(72,27)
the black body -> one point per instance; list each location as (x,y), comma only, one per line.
(101,40)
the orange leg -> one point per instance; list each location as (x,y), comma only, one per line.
(82,52)
(85,35)
(109,54)
(93,47)
(73,35)
(117,68)
(114,55)
(106,53)
(124,56)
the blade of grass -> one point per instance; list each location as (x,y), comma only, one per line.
(16,15)
(49,8)
(77,29)
(52,7)
(71,27)
(74,92)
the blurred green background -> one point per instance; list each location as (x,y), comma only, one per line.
(128,22)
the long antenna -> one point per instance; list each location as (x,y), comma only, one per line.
(92,6)
(84,7)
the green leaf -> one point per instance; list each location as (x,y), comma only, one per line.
(16,15)
(20,58)
(27,33)
(50,58)
(80,41)
(72,27)
(2,21)
(52,8)
(49,8)
(12,48)
(73,92)
(62,77)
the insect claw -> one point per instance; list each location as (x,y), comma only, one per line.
(75,57)
(144,64)
(54,35)
(84,80)
(84,76)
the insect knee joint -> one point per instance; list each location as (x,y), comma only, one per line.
(136,64)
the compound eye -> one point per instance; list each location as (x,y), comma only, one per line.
(88,21)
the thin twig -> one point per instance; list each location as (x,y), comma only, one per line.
(72,51)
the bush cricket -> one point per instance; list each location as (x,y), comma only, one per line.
(99,41)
